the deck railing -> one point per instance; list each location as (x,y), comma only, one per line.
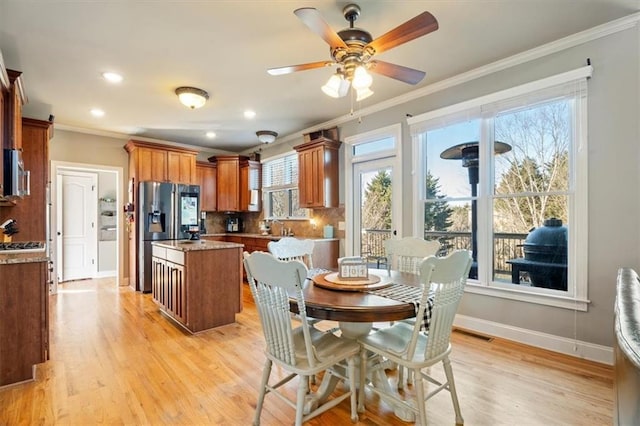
(505,245)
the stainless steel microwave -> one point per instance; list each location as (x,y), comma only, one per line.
(16,179)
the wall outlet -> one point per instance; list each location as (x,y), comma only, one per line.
(340,226)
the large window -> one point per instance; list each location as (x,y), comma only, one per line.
(280,188)
(505,177)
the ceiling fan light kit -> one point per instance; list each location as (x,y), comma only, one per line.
(192,97)
(266,136)
(337,86)
(363,94)
(352,49)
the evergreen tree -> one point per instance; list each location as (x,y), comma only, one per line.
(376,208)
(437,214)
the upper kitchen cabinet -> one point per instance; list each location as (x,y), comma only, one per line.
(14,99)
(161,163)
(237,183)
(31,211)
(318,170)
(206,175)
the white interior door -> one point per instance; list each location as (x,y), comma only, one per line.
(77,230)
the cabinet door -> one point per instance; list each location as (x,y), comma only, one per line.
(176,291)
(228,184)
(206,177)
(311,178)
(158,278)
(181,168)
(152,164)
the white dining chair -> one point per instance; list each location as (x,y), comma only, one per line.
(405,254)
(289,248)
(412,348)
(299,351)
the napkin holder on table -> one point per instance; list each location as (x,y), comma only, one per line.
(352,268)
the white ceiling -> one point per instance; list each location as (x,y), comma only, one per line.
(225,47)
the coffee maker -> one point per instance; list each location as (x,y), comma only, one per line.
(233,224)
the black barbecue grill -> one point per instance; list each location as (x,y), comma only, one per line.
(545,256)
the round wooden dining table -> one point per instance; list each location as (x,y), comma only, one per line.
(358,305)
(356,311)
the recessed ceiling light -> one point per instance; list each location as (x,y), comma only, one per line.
(97,112)
(249,114)
(210,135)
(112,77)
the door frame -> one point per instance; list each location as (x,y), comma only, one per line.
(57,166)
(395,159)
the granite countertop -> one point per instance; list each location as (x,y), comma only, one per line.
(30,257)
(266,237)
(196,245)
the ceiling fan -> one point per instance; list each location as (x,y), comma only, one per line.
(352,50)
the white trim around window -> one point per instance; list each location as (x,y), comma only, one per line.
(576,297)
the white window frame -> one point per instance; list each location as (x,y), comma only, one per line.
(576,296)
(265,191)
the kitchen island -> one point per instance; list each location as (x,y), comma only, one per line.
(197,283)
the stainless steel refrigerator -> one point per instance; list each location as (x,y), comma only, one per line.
(164,211)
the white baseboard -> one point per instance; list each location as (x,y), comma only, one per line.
(105,274)
(576,348)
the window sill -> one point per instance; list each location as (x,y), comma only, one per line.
(565,302)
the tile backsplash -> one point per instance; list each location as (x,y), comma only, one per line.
(215,223)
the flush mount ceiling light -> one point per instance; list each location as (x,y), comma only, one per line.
(192,97)
(112,77)
(266,136)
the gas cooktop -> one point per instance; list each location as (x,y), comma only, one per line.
(22,247)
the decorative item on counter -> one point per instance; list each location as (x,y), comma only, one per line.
(328,231)
(9,228)
(352,268)
(203,220)
(194,230)
(264,227)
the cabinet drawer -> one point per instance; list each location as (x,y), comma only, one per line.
(160,252)
(175,256)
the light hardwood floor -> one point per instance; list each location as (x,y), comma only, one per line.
(116,360)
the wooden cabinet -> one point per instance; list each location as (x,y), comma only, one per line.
(228,182)
(181,167)
(200,289)
(13,103)
(30,211)
(206,175)
(237,183)
(168,282)
(318,173)
(161,163)
(24,329)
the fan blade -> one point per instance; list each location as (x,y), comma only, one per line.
(408,75)
(312,19)
(410,30)
(301,67)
